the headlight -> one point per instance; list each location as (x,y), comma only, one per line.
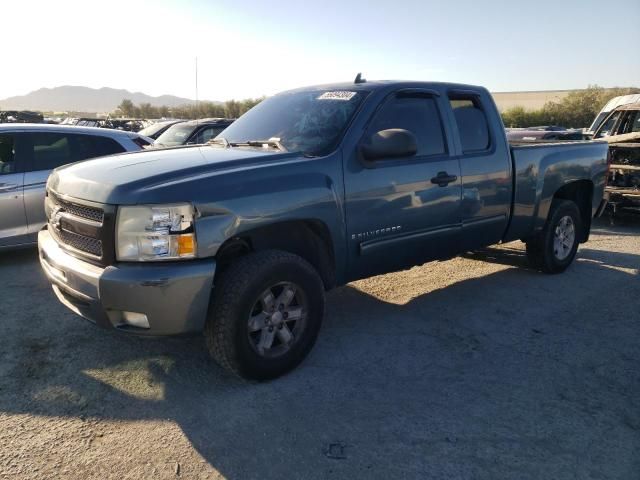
(155,232)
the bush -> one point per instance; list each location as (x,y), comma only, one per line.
(228,109)
(576,110)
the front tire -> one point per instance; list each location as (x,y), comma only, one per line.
(265,314)
(553,249)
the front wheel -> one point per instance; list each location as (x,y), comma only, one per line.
(265,315)
(553,249)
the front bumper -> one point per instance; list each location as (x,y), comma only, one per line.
(174,296)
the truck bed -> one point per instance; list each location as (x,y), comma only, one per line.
(541,169)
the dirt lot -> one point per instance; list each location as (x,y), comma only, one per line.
(475,368)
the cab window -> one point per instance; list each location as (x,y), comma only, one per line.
(416,113)
(473,127)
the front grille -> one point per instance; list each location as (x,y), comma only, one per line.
(82,211)
(92,246)
(85,229)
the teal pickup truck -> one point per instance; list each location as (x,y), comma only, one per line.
(313,188)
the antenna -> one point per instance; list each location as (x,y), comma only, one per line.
(196,90)
(359,79)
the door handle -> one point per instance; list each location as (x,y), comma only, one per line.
(443,179)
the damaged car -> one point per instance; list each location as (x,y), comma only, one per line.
(621,129)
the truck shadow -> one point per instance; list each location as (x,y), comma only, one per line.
(516,257)
(456,378)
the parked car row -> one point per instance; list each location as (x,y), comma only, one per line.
(29,152)
(192,132)
(165,133)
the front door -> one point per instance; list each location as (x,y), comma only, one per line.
(403,211)
(13,221)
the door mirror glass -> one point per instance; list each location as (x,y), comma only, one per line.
(390,143)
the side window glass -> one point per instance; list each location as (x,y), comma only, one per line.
(625,124)
(471,120)
(82,148)
(635,125)
(207,134)
(49,150)
(417,114)
(607,125)
(7,154)
(91,146)
(106,146)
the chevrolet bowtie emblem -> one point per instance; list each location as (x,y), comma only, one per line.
(56,217)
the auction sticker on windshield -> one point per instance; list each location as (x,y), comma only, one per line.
(341,95)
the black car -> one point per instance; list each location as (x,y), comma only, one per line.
(192,132)
(13,116)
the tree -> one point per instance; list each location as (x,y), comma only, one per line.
(126,108)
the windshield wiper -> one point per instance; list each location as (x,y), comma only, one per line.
(272,142)
(219,141)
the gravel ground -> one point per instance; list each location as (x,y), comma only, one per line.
(474,368)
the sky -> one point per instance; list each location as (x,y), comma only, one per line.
(251,48)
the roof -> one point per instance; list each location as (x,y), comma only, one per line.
(209,121)
(629,106)
(45,127)
(373,85)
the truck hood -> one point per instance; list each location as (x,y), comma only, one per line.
(157,176)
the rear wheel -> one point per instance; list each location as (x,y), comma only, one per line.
(553,249)
(265,314)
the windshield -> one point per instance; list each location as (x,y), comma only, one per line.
(176,135)
(607,125)
(311,121)
(152,129)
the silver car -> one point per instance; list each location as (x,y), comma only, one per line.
(28,153)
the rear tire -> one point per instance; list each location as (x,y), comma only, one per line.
(555,247)
(265,314)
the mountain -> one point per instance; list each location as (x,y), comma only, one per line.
(84,99)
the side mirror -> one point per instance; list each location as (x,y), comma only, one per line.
(394,142)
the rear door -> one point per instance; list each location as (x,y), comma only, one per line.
(485,165)
(398,213)
(13,222)
(48,150)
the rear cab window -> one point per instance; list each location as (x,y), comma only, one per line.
(471,120)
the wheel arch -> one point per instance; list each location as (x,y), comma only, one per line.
(309,239)
(581,193)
